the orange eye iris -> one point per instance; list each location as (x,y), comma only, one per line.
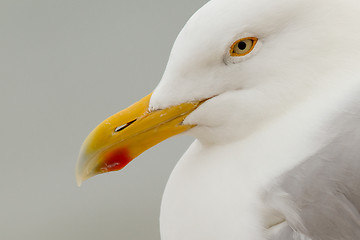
(243,46)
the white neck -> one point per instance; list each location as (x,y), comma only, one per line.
(214,191)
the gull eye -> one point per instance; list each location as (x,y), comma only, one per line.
(243,46)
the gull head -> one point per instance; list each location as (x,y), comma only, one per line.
(235,66)
(302,48)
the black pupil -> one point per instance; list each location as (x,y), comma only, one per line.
(241,45)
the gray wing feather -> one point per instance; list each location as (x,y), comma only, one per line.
(325,191)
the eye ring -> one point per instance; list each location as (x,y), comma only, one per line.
(243,46)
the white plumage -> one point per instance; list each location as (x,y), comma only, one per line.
(277,111)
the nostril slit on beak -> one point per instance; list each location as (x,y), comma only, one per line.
(122,127)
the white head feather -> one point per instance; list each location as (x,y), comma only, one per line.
(304,47)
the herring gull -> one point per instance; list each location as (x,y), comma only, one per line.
(271,92)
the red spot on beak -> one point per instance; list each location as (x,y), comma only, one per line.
(116,160)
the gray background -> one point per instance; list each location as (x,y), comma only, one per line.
(64,67)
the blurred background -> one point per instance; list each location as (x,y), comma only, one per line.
(64,67)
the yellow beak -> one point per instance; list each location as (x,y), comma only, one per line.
(125,135)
